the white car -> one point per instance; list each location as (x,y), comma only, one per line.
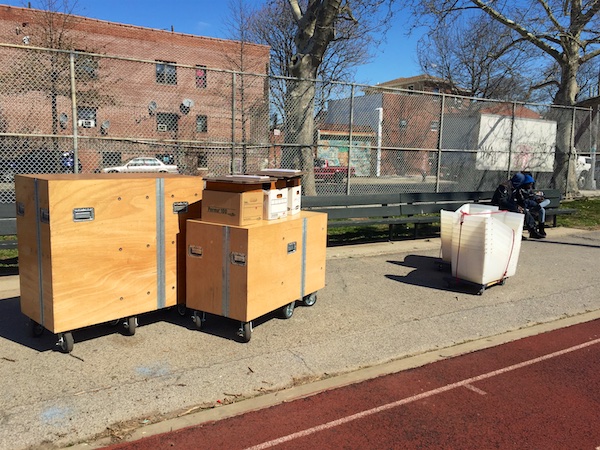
(582,169)
(142,164)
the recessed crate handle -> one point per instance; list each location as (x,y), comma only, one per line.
(180,207)
(44,215)
(195,251)
(239,259)
(83,214)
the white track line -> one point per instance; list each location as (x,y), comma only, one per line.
(475,389)
(449,387)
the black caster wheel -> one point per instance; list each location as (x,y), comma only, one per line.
(66,342)
(36,329)
(129,326)
(310,300)
(245,331)
(287,311)
(198,318)
(182,310)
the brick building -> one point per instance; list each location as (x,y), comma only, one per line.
(404,128)
(137,90)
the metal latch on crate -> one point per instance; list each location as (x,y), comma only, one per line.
(239,259)
(83,214)
(291,247)
(20,209)
(180,207)
(44,215)
(195,251)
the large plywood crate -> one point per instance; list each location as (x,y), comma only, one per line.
(99,247)
(245,272)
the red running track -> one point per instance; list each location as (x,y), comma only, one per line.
(541,392)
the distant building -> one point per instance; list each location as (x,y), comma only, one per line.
(399,132)
(131,83)
(423,83)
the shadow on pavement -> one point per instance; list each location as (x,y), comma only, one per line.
(431,273)
(9,266)
(16,327)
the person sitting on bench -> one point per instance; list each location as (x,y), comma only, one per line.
(533,201)
(505,198)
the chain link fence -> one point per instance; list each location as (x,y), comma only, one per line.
(71,111)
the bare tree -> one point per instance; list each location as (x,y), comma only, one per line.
(311,39)
(480,56)
(565,31)
(274,25)
(47,66)
(252,110)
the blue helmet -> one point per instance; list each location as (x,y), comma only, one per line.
(517,180)
(528,179)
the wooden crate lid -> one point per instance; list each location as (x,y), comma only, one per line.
(240,183)
(292,177)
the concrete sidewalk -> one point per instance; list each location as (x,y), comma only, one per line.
(386,307)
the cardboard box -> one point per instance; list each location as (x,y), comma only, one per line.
(246,272)
(232,208)
(99,247)
(275,204)
(294,200)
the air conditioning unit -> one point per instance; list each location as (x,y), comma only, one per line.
(162,127)
(86,123)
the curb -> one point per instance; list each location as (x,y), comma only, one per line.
(314,388)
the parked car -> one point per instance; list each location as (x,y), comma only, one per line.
(142,164)
(326,172)
(582,170)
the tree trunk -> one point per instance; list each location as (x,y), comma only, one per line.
(301,121)
(564,177)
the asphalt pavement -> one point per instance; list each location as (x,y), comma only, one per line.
(386,307)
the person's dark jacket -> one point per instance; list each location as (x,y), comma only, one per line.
(504,197)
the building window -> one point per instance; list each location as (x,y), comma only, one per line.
(202,160)
(403,124)
(86,112)
(86,116)
(86,66)
(167,122)
(201,124)
(166,72)
(201,77)
(434,125)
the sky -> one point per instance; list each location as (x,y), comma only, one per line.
(394,59)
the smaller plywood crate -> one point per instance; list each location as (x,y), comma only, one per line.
(99,247)
(245,272)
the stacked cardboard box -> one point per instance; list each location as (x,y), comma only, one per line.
(243,200)
(292,179)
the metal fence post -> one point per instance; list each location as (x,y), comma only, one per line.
(594,143)
(379,139)
(511,139)
(74,113)
(350,129)
(571,160)
(233,80)
(439,149)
